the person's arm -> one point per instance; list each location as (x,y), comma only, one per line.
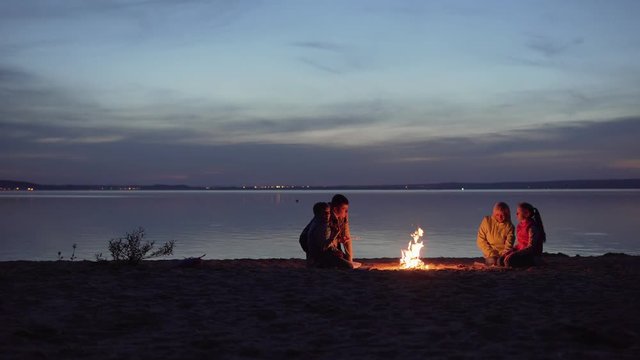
(340,231)
(324,237)
(508,244)
(483,243)
(534,241)
(347,231)
(348,246)
(333,232)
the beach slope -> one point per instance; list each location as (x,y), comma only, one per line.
(571,307)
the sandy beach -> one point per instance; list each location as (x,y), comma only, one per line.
(569,308)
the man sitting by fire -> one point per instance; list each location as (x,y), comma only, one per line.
(322,249)
(339,225)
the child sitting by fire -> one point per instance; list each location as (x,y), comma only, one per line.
(530,236)
(495,234)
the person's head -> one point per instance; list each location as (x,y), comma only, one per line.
(501,212)
(340,206)
(321,210)
(527,211)
(524,211)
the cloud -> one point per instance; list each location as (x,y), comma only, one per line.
(42,126)
(518,60)
(549,47)
(32,104)
(319,45)
(581,149)
(301,124)
(426,9)
(81,140)
(29,98)
(10,76)
(331,57)
(71,117)
(546,155)
(416,159)
(43,9)
(627,164)
(547,52)
(27,156)
(570,150)
(105,22)
(332,69)
(566,104)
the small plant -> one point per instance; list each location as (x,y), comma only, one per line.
(73,254)
(132,250)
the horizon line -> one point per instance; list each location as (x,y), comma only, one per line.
(450,185)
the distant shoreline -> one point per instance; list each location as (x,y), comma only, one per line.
(610,184)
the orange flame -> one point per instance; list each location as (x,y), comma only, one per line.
(411,257)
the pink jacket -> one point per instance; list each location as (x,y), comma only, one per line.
(529,238)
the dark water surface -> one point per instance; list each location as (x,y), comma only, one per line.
(266,224)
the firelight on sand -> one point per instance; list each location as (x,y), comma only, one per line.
(411,257)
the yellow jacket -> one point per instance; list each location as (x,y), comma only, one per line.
(494,238)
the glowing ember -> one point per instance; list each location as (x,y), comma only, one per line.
(411,257)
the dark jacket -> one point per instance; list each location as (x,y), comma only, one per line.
(319,238)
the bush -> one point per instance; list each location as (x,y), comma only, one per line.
(131,249)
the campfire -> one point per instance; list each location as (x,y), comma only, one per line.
(411,256)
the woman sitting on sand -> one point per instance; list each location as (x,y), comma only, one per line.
(495,234)
(530,236)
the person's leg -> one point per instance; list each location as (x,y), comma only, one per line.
(519,260)
(334,260)
(501,259)
(345,264)
(491,261)
(310,262)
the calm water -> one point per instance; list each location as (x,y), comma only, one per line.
(243,224)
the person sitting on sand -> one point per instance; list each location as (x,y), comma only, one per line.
(339,224)
(530,236)
(495,234)
(322,250)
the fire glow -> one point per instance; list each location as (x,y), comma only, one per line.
(411,257)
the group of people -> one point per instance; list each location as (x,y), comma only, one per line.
(326,240)
(496,236)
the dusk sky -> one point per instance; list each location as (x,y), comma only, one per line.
(318,92)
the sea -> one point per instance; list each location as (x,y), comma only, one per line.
(53,225)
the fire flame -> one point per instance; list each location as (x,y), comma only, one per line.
(411,257)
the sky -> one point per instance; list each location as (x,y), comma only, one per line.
(296,92)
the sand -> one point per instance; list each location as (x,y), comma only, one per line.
(569,308)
